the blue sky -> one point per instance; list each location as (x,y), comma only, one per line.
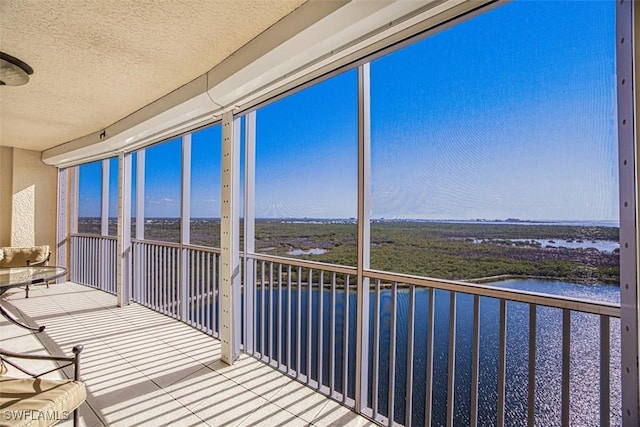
(511,114)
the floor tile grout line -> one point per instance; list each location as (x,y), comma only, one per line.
(129,322)
(126,318)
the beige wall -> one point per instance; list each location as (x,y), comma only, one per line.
(28,199)
(6,190)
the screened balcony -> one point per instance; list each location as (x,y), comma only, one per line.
(144,368)
(434,224)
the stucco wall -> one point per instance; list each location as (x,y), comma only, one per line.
(28,197)
(6,190)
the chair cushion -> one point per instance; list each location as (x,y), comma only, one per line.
(17,257)
(38,402)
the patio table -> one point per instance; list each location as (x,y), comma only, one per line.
(13,277)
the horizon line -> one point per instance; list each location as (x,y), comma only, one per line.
(480,220)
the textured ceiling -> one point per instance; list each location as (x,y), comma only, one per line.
(97,61)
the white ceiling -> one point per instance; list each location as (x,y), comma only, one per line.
(96,62)
(113,76)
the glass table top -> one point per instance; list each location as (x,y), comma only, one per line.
(19,276)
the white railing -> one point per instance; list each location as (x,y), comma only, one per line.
(94,261)
(289,329)
(180,281)
(438,351)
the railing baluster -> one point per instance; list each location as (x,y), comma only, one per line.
(156,276)
(429,367)
(289,302)
(566,365)
(196,290)
(175,281)
(191,272)
(144,274)
(154,281)
(96,263)
(309,322)
(279,326)
(531,392)
(320,335)
(376,350)
(75,250)
(92,267)
(197,278)
(263,317)
(345,342)
(167,291)
(109,267)
(209,293)
(88,276)
(83,272)
(216,279)
(298,324)
(502,361)
(451,376)
(191,288)
(150,275)
(475,361)
(170,281)
(138,269)
(605,360)
(201,290)
(332,338)
(165,279)
(392,355)
(410,333)
(150,278)
(270,312)
(160,278)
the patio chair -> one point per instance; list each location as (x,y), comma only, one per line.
(32,256)
(35,401)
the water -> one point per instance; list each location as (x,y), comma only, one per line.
(584,352)
(313,251)
(600,245)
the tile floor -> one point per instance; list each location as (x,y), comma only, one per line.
(142,368)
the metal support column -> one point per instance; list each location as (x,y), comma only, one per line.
(74,179)
(103,263)
(74,173)
(229,240)
(364,224)
(123,274)
(104,214)
(249,230)
(140,166)
(185,226)
(628,80)
(140,260)
(185,194)
(62,238)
